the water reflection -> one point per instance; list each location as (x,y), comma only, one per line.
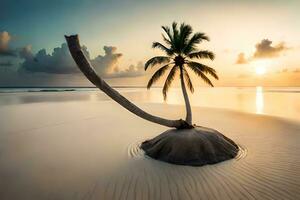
(49,97)
(259,100)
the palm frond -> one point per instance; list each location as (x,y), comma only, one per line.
(175,30)
(176,38)
(156,60)
(167,40)
(188,80)
(163,48)
(169,80)
(195,39)
(202,54)
(180,46)
(204,78)
(203,68)
(168,32)
(202,75)
(185,32)
(159,73)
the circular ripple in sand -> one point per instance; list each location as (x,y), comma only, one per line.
(134,151)
(267,167)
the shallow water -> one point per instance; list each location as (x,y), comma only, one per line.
(278,101)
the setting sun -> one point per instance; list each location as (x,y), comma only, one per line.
(260,70)
(260,66)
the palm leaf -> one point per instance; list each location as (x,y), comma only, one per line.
(202,54)
(168,32)
(159,73)
(156,60)
(167,40)
(169,80)
(176,38)
(163,48)
(202,75)
(188,80)
(195,39)
(185,32)
(175,30)
(204,78)
(203,68)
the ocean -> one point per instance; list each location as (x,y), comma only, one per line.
(283,102)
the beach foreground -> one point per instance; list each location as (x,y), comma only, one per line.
(79,150)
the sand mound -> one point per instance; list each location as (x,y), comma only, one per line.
(196,147)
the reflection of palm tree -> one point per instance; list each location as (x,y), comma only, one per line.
(181,50)
(89,72)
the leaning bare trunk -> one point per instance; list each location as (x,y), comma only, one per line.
(188,118)
(89,72)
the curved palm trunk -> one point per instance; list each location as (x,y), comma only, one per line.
(89,72)
(188,118)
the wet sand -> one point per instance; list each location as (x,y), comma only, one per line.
(79,150)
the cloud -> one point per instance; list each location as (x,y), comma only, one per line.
(107,64)
(61,62)
(5,38)
(23,67)
(131,71)
(264,49)
(286,70)
(297,70)
(241,59)
(26,53)
(6,64)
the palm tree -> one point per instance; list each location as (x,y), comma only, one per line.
(174,145)
(181,51)
(87,69)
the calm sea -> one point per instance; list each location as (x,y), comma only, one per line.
(275,101)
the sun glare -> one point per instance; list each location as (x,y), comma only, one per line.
(259,100)
(261,66)
(260,70)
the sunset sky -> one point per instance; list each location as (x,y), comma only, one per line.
(256,42)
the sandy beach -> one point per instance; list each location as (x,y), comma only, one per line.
(68,148)
(150,100)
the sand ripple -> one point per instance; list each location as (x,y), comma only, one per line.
(134,150)
(98,158)
(266,169)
